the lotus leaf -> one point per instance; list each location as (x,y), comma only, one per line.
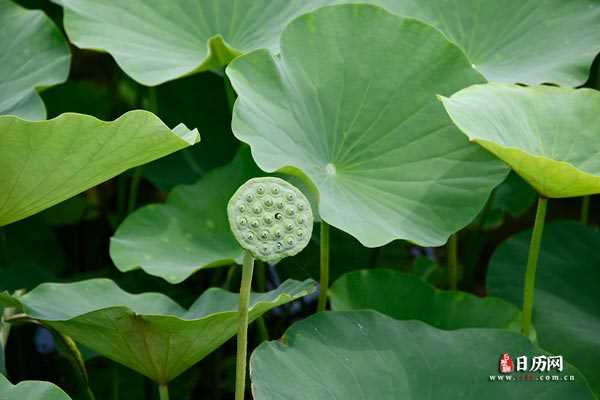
(148,332)
(357,114)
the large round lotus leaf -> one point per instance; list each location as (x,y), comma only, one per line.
(30,390)
(366,355)
(149,332)
(33,54)
(45,162)
(548,135)
(404,296)
(566,312)
(517,41)
(509,41)
(190,232)
(358,115)
(155,41)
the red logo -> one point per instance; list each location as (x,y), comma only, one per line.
(505,366)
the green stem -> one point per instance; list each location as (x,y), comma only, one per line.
(585,209)
(163,391)
(116,380)
(260,285)
(324,282)
(70,350)
(134,188)
(263,332)
(534,251)
(231,272)
(452,249)
(121,197)
(242,335)
(151,100)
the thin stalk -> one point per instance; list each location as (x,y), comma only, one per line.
(260,285)
(134,188)
(151,104)
(324,280)
(163,391)
(452,249)
(242,335)
(534,251)
(71,352)
(231,272)
(116,380)
(121,197)
(263,331)
(6,315)
(585,209)
(151,100)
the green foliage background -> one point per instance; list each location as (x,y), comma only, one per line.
(71,241)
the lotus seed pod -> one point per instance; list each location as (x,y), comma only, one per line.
(262,210)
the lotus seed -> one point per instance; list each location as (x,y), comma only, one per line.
(282,236)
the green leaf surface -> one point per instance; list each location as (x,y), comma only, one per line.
(517,41)
(45,162)
(33,54)
(403,296)
(524,41)
(156,41)
(548,135)
(566,311)
(148,332)
(366,355)
(334,105)
(30,390)
(190,232)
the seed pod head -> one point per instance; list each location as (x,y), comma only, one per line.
(270,218)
